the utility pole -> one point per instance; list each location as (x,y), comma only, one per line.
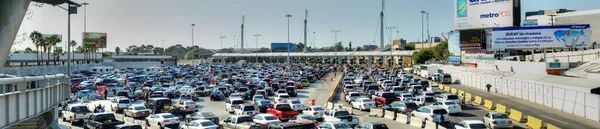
(305,30)
(428,35)
(314,37)
(287,59)
(381,25)
(423,29)
(242,35)
(256,36)
(85,4)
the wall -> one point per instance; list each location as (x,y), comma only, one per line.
(570,99)
(38,70)
(536,68)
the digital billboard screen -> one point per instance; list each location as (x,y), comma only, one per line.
(282,47)
(95,38)
(472,39)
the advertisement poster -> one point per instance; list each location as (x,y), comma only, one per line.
(282,47)
(472,39)
(95,38)
(471,14)
(561,36)
(454,43)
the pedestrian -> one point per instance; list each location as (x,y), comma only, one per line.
(442,120)
(105,94)
(488,86)
(463,102)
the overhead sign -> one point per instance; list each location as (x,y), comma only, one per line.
(470,14)
(561,36)
(472,39)
(282,47)
(95,38)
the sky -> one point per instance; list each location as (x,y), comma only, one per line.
(165,23)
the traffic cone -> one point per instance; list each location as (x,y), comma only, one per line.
(331,79)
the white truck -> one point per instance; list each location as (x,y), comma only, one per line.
(239,122)
(76,113)
(427,71)
(340,115)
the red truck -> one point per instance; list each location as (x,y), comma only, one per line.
(283,111)
(385,98)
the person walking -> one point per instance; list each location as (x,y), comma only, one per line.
(463,100)
(105,94)
(488,86)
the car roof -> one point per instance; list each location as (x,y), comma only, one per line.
(473,121)
(374,122)
(202,120)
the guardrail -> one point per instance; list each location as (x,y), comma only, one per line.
(22,98)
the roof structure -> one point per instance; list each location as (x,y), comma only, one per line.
(315,54)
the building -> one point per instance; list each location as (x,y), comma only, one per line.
(282,47)
(398,43)
(419,46)
(591,17)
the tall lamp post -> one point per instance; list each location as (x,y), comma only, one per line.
(390,28)
(423,29)
(287,60)
(335,32)
(71,9)
(85,4)
(193,55)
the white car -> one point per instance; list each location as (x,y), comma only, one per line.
(200,124)
(406,96)
(282,98)
(470,124)
(232,102)
(363,103)
(162,120)
(119,104)
(265,119)
(296,104)
(497,120)
(447,97)
(315,111)
(334,125)
(451,106)
(242,109)
(351,96)
(189,106)
(186,90)
(76,112)
(432,113)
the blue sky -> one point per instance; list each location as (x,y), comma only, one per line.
(137,22)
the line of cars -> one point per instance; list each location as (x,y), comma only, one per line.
(367,88)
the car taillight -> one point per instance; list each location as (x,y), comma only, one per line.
(510,122)
(166,121)
(197,106)
(431,115)
(138,113)
(74,116)
(176,119)
(186,106)
(364,104)
(493,122)
(406,109)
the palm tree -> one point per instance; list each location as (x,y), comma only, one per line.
(36,37)
(58,52)
(73,44)
(89,47)
(51,42)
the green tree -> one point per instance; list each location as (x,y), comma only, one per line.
(410,46)
(264,49)
(358,48)
(37,38)
(28,50)
(440,51)
(73,44)
(158,51)
(57,53)
(118,50)
(299,47)
(422,56)
(338,46)
(350,45)
(50,42)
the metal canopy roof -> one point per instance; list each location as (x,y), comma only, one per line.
(313,54)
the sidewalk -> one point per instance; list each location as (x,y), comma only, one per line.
(322,92)
(548,114)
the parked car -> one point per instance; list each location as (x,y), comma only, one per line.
(495,120)
(200,124)
(404,107)
(372,125)
(137,111)
(334,125)
(450,106)
(76,113)
(432,113)
(316,111)
(470,124)
(265,119)
(101,120)
(202,115)
(363,104)
(163,120)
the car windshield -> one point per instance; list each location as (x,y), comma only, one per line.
(342,113)
(283,107)
(440,111)
(237,102)
(80,109)
(389,95)
(380,126)
(168,116)
(500,116)
(308,117)
(452,97)
(354,95)
(341,126)
(296,102)
(265,102)
(124,101)
(249,108)
(449,103)
(397,89)
(367,100)
(284,96)
(207,123)
(140,108)
(244,119)
(318,108)
(430,99)
(477,126)
(270,118)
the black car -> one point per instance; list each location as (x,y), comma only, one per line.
(291,90)
(262,105)
(216,95)
(202,115)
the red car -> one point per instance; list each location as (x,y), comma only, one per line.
(283,111)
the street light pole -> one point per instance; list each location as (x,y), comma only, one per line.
(423,29)
(85,4)
(428,35)
(288,38)
(335,32)
(193,25)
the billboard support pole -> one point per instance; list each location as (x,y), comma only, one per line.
(545,59)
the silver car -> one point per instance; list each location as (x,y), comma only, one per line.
(495,120)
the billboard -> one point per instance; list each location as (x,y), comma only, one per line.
(561,36)
(472,39)
(282,47)
(95,38)
(454,43)
(471,14)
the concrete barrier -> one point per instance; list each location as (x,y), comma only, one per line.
(534,123)
(416,122)
(389,115)
(551,126)
(432,125)
(454,91)
(402,118)
(376,112)
(447,89)
(516,115)
(500,108)
(460,93)
(489,104)
(478,100)
(468,96)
